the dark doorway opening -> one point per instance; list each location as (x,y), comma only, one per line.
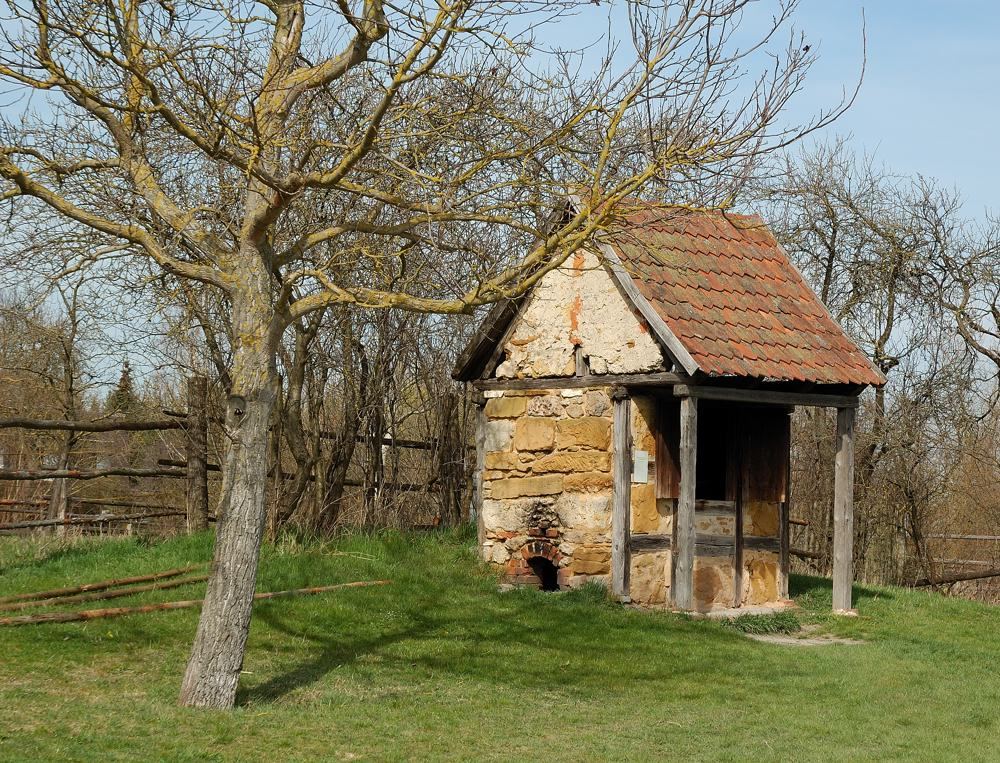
(546,573)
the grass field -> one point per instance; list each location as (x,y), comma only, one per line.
(440,665)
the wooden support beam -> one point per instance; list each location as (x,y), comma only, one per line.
(766,397)
(723,543)
(477,498)
(621,493)
(682,579)
(649,542)
(784,512)
(659,379)
(741,502)
(843,512)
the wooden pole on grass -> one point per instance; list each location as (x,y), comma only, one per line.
(96,614)
(114,593)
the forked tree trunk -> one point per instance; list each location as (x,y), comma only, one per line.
(216,660)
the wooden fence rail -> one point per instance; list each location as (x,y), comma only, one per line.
(86,474)
(7,502)
(110,425)
(87,520)
(194,468)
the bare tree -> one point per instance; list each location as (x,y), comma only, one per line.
(199,134)
(909,278)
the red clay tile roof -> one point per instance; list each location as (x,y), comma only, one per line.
(729,294)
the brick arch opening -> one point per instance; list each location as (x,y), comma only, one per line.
(542,559)
(546,572)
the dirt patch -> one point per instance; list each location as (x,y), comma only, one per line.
(808,636)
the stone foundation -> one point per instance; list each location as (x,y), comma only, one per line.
(547,484)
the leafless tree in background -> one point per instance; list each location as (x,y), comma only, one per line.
(912,281)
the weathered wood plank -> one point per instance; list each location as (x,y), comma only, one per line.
(754,542)
(110,425)
(621,492)
(784,508)
(87,520)
(948,536)
(719,507)
(706,505)
(762,543)
(766,397)
(477,497)
(682,579)
(639,542)
(86,474)
(843,512)
(962,576)
(739,458)
(659,379)
(710,549)
(668,438)
(711,539)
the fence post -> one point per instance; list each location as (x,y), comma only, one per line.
(197,454)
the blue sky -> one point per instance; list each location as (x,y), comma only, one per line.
(930,101)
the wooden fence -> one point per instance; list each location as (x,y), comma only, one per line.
(57,510)
(448,482)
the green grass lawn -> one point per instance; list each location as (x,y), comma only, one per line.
(440,665)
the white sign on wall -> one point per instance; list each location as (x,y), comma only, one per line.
(640,466)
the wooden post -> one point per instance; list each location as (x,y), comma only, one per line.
(742,493)
(59,500)
(197,454)
(479,401)
(784,510)
(682,580)
(621,493)
(843,512)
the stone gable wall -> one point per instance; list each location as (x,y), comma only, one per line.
(578,305)
(547,483)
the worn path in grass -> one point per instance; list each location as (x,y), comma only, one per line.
(442,666)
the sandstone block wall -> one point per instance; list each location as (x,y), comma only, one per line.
(547,483)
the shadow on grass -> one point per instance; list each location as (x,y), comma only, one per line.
(333,653)
(821,589)
(573,640)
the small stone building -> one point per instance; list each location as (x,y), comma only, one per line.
(634,426)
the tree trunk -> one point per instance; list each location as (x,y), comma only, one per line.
(213,670)
(59,499)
